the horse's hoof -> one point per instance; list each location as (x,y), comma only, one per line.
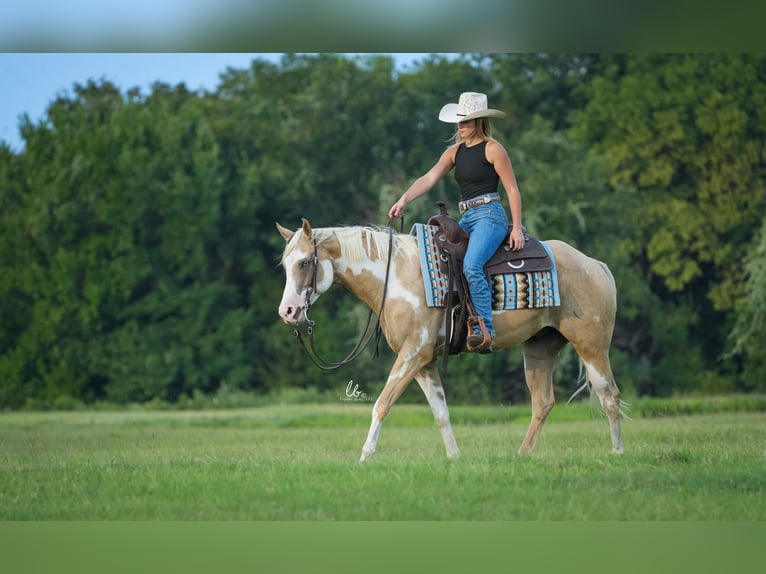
(365,456)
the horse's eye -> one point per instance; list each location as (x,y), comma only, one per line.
(305,263)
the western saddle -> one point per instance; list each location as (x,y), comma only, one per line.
(451,244)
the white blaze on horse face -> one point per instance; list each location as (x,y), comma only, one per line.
(299,263)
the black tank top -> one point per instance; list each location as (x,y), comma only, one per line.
(473,173)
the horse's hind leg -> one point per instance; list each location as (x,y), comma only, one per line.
(431,384)
(540,353)
(590,333)
(593,350)
(599,373)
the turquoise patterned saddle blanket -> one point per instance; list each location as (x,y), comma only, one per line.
(517,290)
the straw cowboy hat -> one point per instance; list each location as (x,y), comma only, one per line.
(470,106)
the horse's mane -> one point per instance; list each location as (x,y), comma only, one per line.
(358,243)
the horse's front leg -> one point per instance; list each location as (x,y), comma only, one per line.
(430,382)
(407,364)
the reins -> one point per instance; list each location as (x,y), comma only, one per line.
(367,335)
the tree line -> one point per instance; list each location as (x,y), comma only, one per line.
(140,259)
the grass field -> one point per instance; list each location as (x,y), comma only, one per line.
(300,463)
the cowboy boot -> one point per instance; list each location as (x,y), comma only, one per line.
(478,343)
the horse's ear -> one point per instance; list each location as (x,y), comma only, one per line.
(284,232)
(306,227)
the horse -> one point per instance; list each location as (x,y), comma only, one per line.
(382,268)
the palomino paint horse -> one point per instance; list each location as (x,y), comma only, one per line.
(357,257)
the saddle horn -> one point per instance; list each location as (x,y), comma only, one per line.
(448,226)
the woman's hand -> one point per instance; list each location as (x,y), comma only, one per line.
(397,210)
(516,240)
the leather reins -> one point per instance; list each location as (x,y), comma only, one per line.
(367,335)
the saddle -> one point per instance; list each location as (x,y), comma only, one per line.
(451,244)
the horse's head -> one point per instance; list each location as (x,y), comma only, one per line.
(307,275)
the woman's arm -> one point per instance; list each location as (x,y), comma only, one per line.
(498,157)
(425,181)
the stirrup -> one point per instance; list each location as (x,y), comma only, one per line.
(481,344)
(478,343)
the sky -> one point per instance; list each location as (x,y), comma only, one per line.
(32,81)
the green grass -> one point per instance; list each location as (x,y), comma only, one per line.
(300,463)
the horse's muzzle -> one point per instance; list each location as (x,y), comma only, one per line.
(292,314)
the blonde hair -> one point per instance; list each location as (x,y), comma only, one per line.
(483,128)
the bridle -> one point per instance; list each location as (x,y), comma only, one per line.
(369,334)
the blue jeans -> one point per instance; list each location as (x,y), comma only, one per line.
(488,226)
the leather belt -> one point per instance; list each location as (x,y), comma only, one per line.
(464,206)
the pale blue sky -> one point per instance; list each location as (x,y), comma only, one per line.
(30,82)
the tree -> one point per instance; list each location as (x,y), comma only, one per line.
(121,204)
(750,327)
(687,159)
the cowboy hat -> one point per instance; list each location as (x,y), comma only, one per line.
(470,106)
